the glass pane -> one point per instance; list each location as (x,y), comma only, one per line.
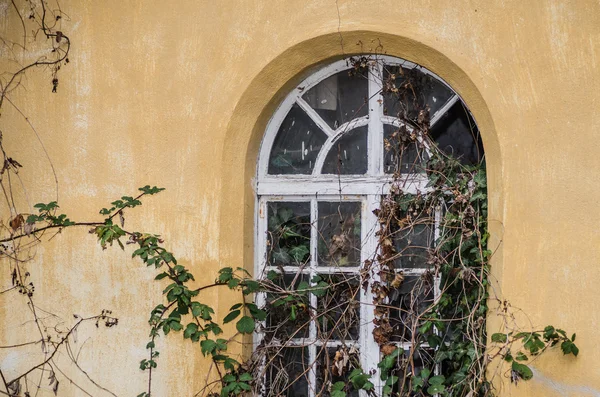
(288,242)
(458,136)
(339,234)
(407,91)
(413,297)
(297,144)
(413,240)
(349,154)
(287,318)
(340,98)
(338,314)
(333,365)
(287,372)
(397,143)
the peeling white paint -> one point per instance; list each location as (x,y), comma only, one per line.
(559,35)
(564,389)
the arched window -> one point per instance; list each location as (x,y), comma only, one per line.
(326,161)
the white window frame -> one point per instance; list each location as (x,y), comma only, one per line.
(368,189)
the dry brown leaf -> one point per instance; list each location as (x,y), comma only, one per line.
(16,222)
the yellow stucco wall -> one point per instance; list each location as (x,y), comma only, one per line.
(177,94)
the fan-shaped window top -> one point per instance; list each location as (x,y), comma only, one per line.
(338,120)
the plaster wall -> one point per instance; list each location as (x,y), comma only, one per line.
(177,94)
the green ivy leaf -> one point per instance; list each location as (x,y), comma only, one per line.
(437,380)
(521,357)
(208,346)
(285,214)
(231,316)
(190,330)
(225,274)
(569,347)
(250,287)
(272,275)
(522,370)
(499,338)
(160,276)
(436,389)
(299,253)
(282,256)
(245,325)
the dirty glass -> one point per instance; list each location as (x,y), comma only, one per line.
(288,319)
(412,298)
(287,372)
(340,98)
(288,242)
(412,243)
(333,365)
(339,234)
(338,308)
(456,134)
(296,145)
(349,154)
(397,143)
(407,91)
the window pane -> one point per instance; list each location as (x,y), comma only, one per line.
(349,154)
(296,145)
(339,234)
(407,91)
(288,242)
(333,365)
(412,241)
(398,143)
(414,295)
(288,315)
(340,98)
(338,314)
(457,135)
(287,372)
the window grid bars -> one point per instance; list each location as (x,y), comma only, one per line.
(375,133)
(369,350)
(305,188)
(312,331)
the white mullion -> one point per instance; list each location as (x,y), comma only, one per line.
(375,138)
(325,185)
(335,137)
(369,349)
(260,260)
(289,269)
(305,198)
(329,343)
(312,331)
(413,271)
(337,270)
(436,236)
(438,115)
(409,345)
(318,120)
(437,278)
(336,343)
(260,243)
